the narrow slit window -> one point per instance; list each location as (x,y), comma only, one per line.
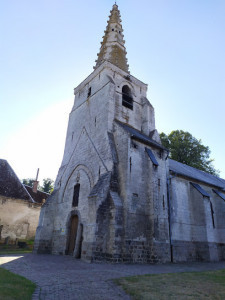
(127,99)
(212,214)
(89,92)
(152,157)
(76,192)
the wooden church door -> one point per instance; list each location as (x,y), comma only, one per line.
(73,234)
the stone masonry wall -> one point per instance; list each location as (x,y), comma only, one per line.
(87,156)
(18,217)
(126,219)
(198,227)
(143,188)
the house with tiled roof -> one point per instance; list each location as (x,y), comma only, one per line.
(19,206)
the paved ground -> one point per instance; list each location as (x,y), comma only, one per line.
(63,277)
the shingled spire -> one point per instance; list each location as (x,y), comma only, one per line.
(113,45)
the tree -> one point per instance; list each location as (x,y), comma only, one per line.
(48,185)
(188,150)
(28,181)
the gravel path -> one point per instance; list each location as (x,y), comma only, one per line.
(63,277)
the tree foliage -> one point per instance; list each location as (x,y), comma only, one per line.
(28,181)
(47,186)
(188,150)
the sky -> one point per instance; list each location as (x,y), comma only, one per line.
(48,47)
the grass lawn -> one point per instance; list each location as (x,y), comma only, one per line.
(13,249)
(13,287)
(205,285)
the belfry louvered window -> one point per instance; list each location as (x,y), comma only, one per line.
(127,99)
(76,192)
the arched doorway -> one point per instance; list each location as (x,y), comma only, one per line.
(72,234)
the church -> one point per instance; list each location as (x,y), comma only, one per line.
(118,197)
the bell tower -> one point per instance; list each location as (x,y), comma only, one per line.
(110,199)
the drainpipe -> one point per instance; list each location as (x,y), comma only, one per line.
(169,215)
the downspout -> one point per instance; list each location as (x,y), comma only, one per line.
(169,215)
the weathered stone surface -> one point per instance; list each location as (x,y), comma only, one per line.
(19,213)
(132,207)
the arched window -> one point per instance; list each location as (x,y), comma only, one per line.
(127,100)
(76,192)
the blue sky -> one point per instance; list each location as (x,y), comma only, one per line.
(48,47)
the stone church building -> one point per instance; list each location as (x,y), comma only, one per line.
(118,197)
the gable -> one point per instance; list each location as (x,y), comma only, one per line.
(10,185)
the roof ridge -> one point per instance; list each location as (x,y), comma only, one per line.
(197,174)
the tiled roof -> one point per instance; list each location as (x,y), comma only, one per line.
(138,135)
(10,185)
(193,173)
(39,196)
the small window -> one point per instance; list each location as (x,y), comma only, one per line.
(76,192)
(212,214)
(134,145)
(160,154)
(127,100)
(89,92)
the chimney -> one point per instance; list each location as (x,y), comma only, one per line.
(35,183)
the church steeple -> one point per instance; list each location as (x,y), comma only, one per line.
(113,45)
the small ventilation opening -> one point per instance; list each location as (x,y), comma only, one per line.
(89,92)
(127,99)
